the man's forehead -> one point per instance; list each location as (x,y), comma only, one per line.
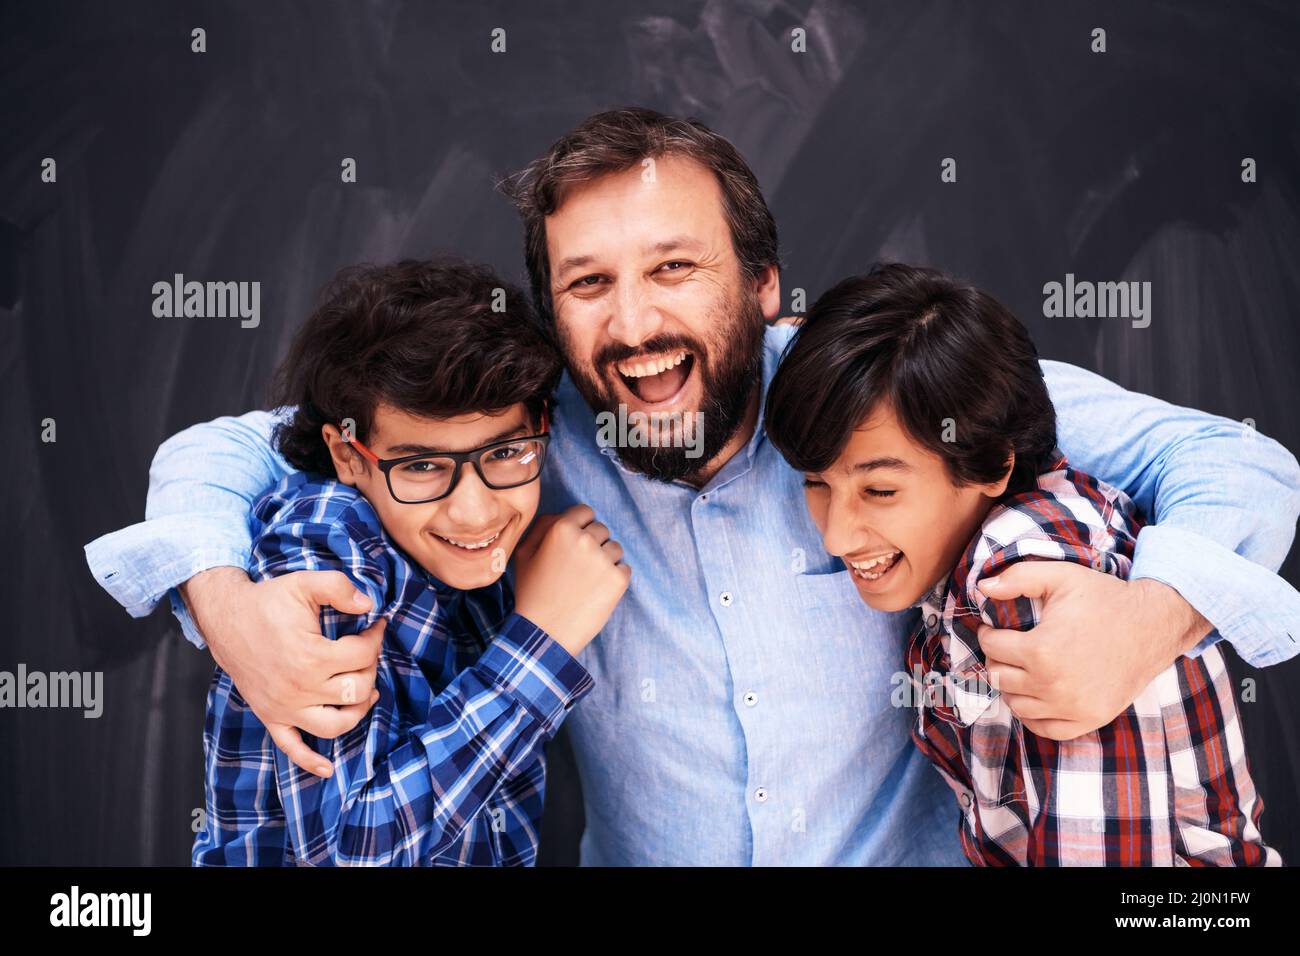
(649,205)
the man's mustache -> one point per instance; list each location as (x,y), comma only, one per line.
(617,352)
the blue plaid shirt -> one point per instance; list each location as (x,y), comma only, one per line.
(447,768)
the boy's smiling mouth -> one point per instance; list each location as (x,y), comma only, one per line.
(466,544)
(874,568)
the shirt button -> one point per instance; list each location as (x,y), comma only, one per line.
(725,598)
(751,699)
(965,800)
(761,794)
(932,620)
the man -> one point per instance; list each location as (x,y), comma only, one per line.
(742,710)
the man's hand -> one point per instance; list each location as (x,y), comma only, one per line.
(1099,642)
(266,636)
(568,576)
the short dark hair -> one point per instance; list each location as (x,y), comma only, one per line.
(617,140)
(422,336)
(936,350)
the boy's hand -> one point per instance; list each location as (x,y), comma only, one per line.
(568,576)
(266,636)
(1100,641)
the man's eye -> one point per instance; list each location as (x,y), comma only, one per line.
(677,265)
(879,493)
(506,452)
(812,483)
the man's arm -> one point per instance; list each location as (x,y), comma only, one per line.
(193,546)
(202,483)
(1223,501)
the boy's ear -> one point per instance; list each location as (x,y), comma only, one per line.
(347,463)
(998,488)
(768,289)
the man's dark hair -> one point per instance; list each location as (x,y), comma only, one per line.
(618,140)
(421,336)
(942,353)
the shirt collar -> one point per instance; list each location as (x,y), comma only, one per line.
(934,598)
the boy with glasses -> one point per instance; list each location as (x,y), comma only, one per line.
(418,429)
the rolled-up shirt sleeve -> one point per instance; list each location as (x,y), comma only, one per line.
(202,483)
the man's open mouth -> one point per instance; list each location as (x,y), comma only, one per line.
(658,378)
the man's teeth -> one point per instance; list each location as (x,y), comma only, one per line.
(470,545)
(875,567)
(652,367)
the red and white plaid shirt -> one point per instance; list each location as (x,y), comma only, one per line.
(1166,783)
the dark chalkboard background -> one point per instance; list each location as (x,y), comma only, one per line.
(225,165)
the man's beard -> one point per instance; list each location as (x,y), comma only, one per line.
(730,366)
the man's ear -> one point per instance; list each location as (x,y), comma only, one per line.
(348,465)
(767,286)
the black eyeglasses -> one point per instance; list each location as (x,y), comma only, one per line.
(417,479)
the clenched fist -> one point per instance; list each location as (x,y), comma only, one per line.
(569,576)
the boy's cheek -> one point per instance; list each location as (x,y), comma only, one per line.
(527,501)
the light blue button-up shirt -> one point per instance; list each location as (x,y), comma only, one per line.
(742,710)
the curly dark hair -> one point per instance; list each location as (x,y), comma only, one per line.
(436,338)
(940,352)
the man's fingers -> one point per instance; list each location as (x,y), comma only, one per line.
(1006,646)
(789,320)
(1056,729)
(1007,679)
(1026,708)
(350,688)
(289,740)
(1031,579)
(332,588)
(354,652)
(329,722)
(614,550)
(597,531)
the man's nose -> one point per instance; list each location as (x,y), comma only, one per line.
(636,316)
